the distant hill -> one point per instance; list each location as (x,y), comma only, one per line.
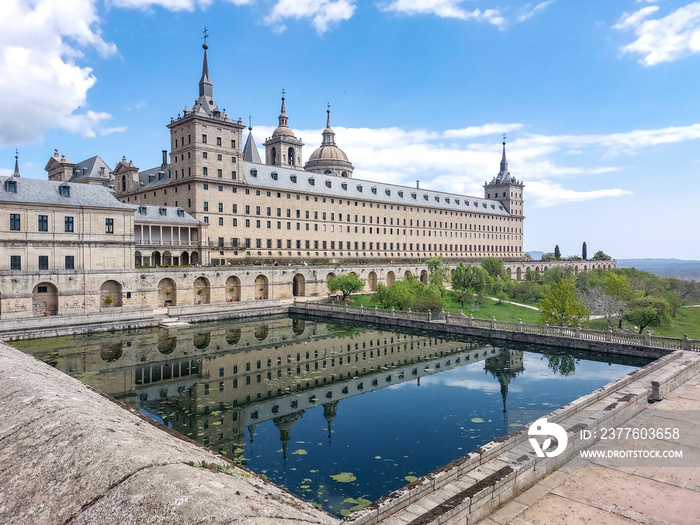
(680,268)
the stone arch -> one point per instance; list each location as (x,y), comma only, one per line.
(110,294)
(194,258)
(202,290)
(261,332)
(185,259)
(407,274)
(111,353)
(138,258)
(167,258)
(508,271)
(233,289)
(353,273)
(372,281)
(424,277)
(298,286)
(576,269)
(330,275)
(585,267)
(167,292)
(166,344)
(290,156)
(262,288)
(298,326)
(233,336)
(519,274)
(45,299)
(537,270)
(157,260)
(201,340)
(390,278)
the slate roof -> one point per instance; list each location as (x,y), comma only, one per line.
(250,150)
(152,214)
(344,188)
(90,168)
(37,191)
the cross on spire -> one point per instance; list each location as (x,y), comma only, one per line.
(206,34)
(282,92)
(504,138)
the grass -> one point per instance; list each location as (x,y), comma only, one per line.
(686,322)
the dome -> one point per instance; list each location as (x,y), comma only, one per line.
(328,152)
(329,158)
(283,131)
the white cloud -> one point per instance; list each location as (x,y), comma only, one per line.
(663,39)
(323,13)
(530,12)
(445,9)
(478,131)
(172,5)
(544,194)
(41,86)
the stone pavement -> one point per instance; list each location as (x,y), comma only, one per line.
(623,492)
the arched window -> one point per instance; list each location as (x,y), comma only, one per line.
(123,182)
(290,156)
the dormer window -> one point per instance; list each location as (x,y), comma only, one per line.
(456,201)
(447,200)
(359,188)
(414,195)
(180,212)
(274,175)
(344,185)
(328,183)
(312,181)
(374,189)
(293,178)
(493,206)
(437,198)
(11,186)
(466,203)
(484,205)
(64,190)
(253,172)
(426,197)
(400,194)
(142,210)
(388,192)
(163,211)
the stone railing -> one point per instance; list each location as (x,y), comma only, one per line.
(646,339)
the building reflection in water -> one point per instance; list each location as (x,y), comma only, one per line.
(211,382)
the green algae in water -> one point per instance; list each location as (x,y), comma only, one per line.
(377,457)
(359,504)
(477,420)
(344,477)
(300,452)
(410,479)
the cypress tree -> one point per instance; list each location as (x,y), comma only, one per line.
(584,252)
(557,252)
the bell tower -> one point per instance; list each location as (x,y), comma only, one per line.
(283,148)
(505,188)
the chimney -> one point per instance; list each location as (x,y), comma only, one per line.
(165,157)
(417,184)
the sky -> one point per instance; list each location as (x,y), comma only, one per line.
(598,98)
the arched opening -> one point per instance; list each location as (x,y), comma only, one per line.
(508,271)
(201,290)
(585,267)
(110,294)
(156,259)
(537,270)
(290,156)
(166,344)
(45,299)
(424,277)
(329,276)
(519,274)
(123,183)
(372,281)
(233,289)
(233,336)
(407,275)
(298,286)
(390,278)
(185,259)
(344,174)
(167,258)
(167,292)
(298,326)
(261,288)
(201,340)
(261,332)
(111,353)
(138,259)
(194,258)
(273,156)
(576,269)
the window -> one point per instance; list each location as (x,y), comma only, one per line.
(142,210)
(233,143)
(218,141)
(43,223)
(11,186)
(64,190)
(70,262)
(206,206)
(205,172)
(43,262)
(68,224)
(253,173)
(221,207)
(14,221)
(180,213)
(221,221)
(204,154)
(109,225)
(204,139)
(15,262)
(163,211)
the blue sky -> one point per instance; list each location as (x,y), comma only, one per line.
(599,99)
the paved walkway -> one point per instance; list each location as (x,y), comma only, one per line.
(616,493)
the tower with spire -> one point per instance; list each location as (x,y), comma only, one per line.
(283,148)
(506,188)
(329,159)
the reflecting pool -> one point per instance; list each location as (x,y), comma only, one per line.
(339,414)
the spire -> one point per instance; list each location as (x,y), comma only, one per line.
(504,162)
(16,174)
(328,133)
(283,114)
(206,88)
(250,150)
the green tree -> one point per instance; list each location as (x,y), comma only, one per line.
(558,273)
(476,278)
(347,284)
(600,255)
(494,267)
(584,251)
(557,252)
(438,273)
(549,256)
(429,300)
(645,311)
(459,279)
(560,307)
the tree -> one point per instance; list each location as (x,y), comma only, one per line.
(645,311)
(438,272)
(494,267)
(560,306)
(459,279)
(347,284)
(584,252)
(600,255)
(602,303)
(558,273)
(557,252)
(549,256)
